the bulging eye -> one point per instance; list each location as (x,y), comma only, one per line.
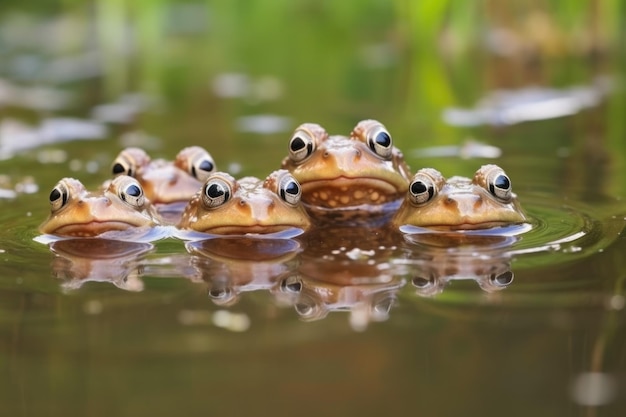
(59,196)
(423,282)
(215,193)
(132,193)
(499,185)
(502,280)
(123,166)
(291,284)
(301,146)
(289,190)
(379,141)
(421,190)
(201,165)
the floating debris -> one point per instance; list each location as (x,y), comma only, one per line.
(264,124)
(38,98)
(467,150)
(123,111)
(16,136)
(508,107)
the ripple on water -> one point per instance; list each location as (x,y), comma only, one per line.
(554,228)
(565,229)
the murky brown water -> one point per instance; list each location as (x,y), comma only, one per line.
(339,321)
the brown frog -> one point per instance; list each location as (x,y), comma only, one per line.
(80,213)
(165,181)
(249,205)
(362,172)
(485,201)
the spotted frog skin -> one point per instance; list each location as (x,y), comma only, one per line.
(362,171)
(250,205)
(79,213)
(484,201)
(164,181)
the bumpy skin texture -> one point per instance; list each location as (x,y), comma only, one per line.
(484,201)
(249,205)
(358,172)
(164,181)
(80,213)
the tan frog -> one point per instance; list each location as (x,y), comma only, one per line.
(80,213)
(362,172)
(249,205)
(486,200)
(165,181)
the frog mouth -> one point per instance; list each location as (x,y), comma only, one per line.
(92,228)
(258,228)
(349,191)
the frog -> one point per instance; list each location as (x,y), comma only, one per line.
(76,212)
(361,173)
(226,206)
(460,203)
(163,181)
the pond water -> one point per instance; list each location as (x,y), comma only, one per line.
(342,320)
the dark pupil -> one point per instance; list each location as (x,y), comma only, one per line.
(206,166)
(502,182)
(418,187)
(504,278)
(55,195)
(118,169)
(215,191)
(292,188)
(292,286)
(297,143)
(218,292)
(383,139)
(133,190)
(421,282)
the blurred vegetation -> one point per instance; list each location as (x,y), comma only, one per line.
(336,62)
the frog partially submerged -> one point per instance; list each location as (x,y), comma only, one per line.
(79,213)
(458,203)
(226,206)
(163,181)
(363,173)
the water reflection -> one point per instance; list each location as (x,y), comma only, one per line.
(233,265)
(78,261)
(434,259)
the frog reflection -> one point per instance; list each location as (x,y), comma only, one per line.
(78,261)
(232,265)
(435,259)
(346,269)
(313,298)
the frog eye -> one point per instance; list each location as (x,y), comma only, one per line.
(59,196)
(379,141)
(289,190)
(215,193)
(201,165)
(301,146)
(132,193)
(291,284)
(499,185)
(423,282)
(421,190)
(501,280)
(220,293)
(123,166)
